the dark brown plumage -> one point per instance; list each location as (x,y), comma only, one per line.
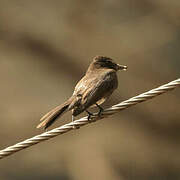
(94,88)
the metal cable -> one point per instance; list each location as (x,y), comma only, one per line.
(83,121)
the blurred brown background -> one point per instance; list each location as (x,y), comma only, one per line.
(45,48)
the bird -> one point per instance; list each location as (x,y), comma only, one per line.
(95,87)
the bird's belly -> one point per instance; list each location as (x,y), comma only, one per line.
(99,102)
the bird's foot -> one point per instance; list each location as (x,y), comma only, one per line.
(100,109)
(89,115)
(74,126)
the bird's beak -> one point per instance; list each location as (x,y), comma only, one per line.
(121,67)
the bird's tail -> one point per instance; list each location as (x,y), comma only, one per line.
(49,118)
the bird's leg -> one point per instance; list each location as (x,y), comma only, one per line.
(100,109)
(89,114)
(74,127)
(73,121)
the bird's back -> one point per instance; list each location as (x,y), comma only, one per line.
(95,87)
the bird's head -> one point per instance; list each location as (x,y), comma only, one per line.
(106,62)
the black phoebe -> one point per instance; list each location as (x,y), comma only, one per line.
(94,88)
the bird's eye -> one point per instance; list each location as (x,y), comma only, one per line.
(109,62)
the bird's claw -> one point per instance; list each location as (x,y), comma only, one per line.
(74,126)
(100,110)
(89,115)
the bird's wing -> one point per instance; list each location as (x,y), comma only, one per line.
(100,87)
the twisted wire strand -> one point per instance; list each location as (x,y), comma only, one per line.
(83,121)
